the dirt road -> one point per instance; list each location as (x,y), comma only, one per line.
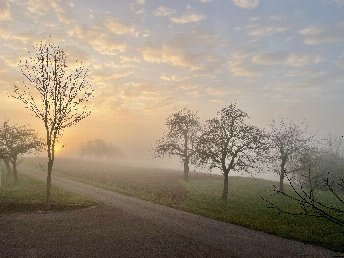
(130,227)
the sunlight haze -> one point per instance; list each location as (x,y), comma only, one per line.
(149,58)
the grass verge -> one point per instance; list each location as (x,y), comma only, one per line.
(28,195)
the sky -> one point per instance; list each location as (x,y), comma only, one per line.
(149,58)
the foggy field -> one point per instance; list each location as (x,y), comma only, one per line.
(29,195)
(201,195)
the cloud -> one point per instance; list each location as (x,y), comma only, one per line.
(189,17)
(171,78)
(260,30)
(269,58)
(61,9)
(5,12)
(98,40)
(310,31)
(168,55)
(76,53)
(238,67)
(128,59)
(106,75)
(322,35)
(118,27)
(241,71)
(250,4)
(163,11)
(143,96)
(292,59)
(214,91)
(298,60)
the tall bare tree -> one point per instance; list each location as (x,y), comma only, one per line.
(18,140)
(288,140)
(229,144)
(55,92)
(181,137)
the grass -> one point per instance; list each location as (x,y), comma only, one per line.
(201,195)
(29,194)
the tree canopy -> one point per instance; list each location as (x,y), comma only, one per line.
(228,143)
(288,140)
(180,138)
(55,91)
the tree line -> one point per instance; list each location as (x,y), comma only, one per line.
(228,143)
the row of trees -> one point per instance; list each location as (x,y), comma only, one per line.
(228,143)
(14,141)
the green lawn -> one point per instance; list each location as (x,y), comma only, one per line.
(29,194)
(201,195)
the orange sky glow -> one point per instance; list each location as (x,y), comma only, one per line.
(150,58)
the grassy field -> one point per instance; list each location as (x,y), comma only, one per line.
(201,195)
(29,195)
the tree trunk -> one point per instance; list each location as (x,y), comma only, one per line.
(186,169)
(282,172)
(225,187)
(48,201)
(14,168)
(8,166)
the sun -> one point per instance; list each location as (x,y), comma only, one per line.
(58,148)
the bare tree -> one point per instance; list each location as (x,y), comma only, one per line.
(181,138)
(288,139)
(309,205)
(55,92)
(311,166)
(18,140)
(316,191)
(229,144)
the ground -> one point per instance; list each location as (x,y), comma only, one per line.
(100,231)
(130,227)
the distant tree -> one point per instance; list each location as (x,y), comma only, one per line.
(54,92)
(333,156)
(229,144)
(99,149)
(311,166)
(288,140)
(180,138)
(18,140)
(316,183)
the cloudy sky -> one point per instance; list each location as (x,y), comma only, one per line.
(149,58)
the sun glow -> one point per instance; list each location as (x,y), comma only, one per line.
(58,148)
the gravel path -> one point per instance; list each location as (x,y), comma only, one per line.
(129,227)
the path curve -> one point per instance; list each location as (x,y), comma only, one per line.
(234,240)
